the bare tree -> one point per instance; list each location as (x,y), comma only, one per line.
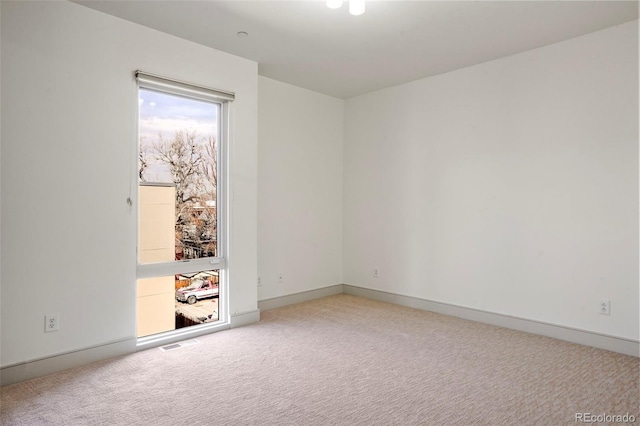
(192,164)
(211,169)
(185,159)
(143,161)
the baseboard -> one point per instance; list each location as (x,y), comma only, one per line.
(583,337)
(244,318)
(39,367)
(305,296)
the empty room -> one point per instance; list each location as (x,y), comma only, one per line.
(352,212)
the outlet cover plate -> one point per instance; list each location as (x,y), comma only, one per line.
(51,323)
(604,307)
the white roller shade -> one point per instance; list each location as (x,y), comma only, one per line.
(151,81)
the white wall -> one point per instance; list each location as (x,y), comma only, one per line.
(509,187)
(299,189)
(69,109)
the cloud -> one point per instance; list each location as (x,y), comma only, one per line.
(151,127)
(164,114)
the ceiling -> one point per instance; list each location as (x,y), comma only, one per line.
(330,51)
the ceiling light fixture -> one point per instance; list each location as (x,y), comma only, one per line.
(356,7)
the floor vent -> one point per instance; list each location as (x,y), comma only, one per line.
(180,345)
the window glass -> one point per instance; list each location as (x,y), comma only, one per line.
(178,177)
(172,302)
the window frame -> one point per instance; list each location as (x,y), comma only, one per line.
(149,270)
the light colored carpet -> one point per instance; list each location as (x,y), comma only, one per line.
(340,360)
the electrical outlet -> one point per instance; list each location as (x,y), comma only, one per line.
(376,273)
(259,282)
(51,323)
(605,307)
(280,277)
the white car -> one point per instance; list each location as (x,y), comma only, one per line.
(198,289)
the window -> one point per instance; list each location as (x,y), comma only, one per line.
(181,197)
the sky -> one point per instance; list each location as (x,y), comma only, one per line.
(165,114)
